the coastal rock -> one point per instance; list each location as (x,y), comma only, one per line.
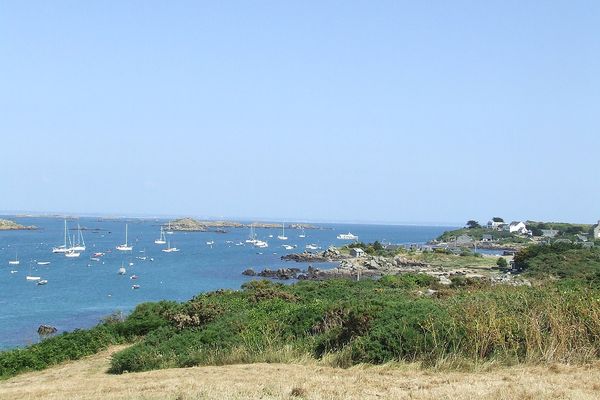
(249,272)
(331,254)
(45,330)
(281,273)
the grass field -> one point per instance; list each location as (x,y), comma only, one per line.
(87,379)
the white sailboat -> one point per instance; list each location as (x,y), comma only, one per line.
(282,236)
(80,245)
(125,246)
(63,248)
(15,261)
(161,239)
(30,277)
(252,238)
(71,253)
(122,270)
(170,249)
(169,231)
(302,234)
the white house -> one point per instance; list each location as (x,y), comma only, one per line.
(518,227)
(495,224)
(357,252)
(597,231)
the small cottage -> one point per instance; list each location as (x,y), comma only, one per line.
(597,231)
(518,227)
(357,252)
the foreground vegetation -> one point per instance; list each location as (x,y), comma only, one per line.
(342,323)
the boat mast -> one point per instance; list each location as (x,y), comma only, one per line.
(65,233)
(125,234)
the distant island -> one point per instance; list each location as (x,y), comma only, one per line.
(7,225)
(193,225)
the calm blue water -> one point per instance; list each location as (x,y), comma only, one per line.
(80,292)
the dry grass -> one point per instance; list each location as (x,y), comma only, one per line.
(86,379)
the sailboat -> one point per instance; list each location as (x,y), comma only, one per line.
(30,277)
(252,238)
(282,236)
(63,248)
(15,261)
(125,246)
(71,253)
(170,249)
(302,234)
(161,239)
(169,231)
(122,270)
(80,245)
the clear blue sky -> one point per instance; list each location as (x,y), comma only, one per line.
(395,111)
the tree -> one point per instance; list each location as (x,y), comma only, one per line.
(501,263)
(497,219)
(377,246)
(471,224)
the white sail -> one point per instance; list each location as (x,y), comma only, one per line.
(125,246)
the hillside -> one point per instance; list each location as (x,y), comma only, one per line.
(87,379)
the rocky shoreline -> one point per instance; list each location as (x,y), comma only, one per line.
(373,267)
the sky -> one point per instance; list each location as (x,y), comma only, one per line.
(357,111)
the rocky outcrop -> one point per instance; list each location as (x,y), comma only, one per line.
(7,225)
(249,272)
(188,225)
(45,330)
(331,254)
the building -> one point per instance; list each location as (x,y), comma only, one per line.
(582,238)
(597,231)
(357,252)
(549,233)
(495,225)
(518,227)
(487,238)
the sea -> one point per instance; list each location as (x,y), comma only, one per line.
(81,291)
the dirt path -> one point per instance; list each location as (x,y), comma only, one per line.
(86,379)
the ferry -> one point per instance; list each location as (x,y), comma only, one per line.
(347,236)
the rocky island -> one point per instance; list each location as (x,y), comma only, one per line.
(193,225)
(7,225)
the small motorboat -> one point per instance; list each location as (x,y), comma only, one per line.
(42,282)
(43,262)
(32,278)
(94,259)
(133,277)
(122,271)
(135,287)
